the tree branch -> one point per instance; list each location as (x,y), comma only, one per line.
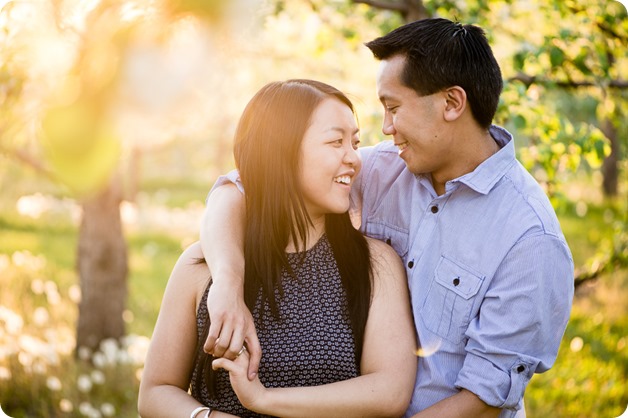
(27,159)
(614,261)
(529,80)
(394,6)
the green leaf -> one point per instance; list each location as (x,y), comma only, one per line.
(520,122)
(557,56)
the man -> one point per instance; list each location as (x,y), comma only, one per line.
(490,273)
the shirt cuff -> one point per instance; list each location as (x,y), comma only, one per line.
(231,177)
(496,387)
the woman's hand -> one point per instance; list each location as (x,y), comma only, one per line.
(250,393)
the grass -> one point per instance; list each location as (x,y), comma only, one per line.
(40,377)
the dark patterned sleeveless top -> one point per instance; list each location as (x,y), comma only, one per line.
(310,344)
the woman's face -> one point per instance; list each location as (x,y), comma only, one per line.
(329,158)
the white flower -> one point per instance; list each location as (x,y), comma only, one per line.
(65,405)
(85,408)
(13,322)
(5,374)
(98,377)
(84,384)
(40,316)
(39,367)
(137,348)
(53,383)
(37,286)
(74,293)
(99,360)
(84,353)
(52,292)
(109,348)
(108,409)
(25,359)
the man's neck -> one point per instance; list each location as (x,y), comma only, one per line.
(471,151)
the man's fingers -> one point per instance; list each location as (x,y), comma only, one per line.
(223,342)
(236,344)
(212,337)
(255,352)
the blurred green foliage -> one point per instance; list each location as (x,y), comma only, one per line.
(589,378)
(559,93)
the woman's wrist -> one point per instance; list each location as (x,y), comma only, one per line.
(198,412)
(263,402)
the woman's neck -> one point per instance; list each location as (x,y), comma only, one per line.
(313,234)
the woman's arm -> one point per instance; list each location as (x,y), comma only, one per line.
(388,363)
(170,359)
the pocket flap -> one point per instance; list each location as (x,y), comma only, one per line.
(457,279)
(390,235)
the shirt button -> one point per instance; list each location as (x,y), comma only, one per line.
(388,241)
(456,281)
(520,369)
(434,209)
(410,264)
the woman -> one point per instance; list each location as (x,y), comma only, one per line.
(331,306)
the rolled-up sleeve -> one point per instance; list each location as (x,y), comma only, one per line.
(231,177)
(521,321)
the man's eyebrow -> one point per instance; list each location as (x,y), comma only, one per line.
(384,98)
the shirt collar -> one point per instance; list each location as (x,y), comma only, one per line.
(487,174)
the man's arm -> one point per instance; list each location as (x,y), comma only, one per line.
(521,322)
(222,242)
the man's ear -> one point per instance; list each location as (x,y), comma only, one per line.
(456,99)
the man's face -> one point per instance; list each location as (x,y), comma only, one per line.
(415,122)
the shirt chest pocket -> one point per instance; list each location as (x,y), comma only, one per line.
(448,306)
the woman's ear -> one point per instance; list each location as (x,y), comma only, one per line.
(456,99)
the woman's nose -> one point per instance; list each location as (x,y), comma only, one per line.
(351,156)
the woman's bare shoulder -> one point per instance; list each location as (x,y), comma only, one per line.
(384,259)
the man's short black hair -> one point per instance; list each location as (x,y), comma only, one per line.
(440,54)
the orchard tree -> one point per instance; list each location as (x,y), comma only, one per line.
(85,87)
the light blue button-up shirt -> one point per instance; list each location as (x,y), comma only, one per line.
(489,272)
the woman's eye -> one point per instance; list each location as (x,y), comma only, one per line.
(356,144)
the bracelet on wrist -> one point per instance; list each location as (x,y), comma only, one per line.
(194,414)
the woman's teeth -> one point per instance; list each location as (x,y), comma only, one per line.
(343,179)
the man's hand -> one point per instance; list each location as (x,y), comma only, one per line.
(232,326)
(462,405)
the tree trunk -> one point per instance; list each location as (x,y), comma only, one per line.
(102,267)
(610,169)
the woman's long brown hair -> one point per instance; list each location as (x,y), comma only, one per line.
(267,154)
